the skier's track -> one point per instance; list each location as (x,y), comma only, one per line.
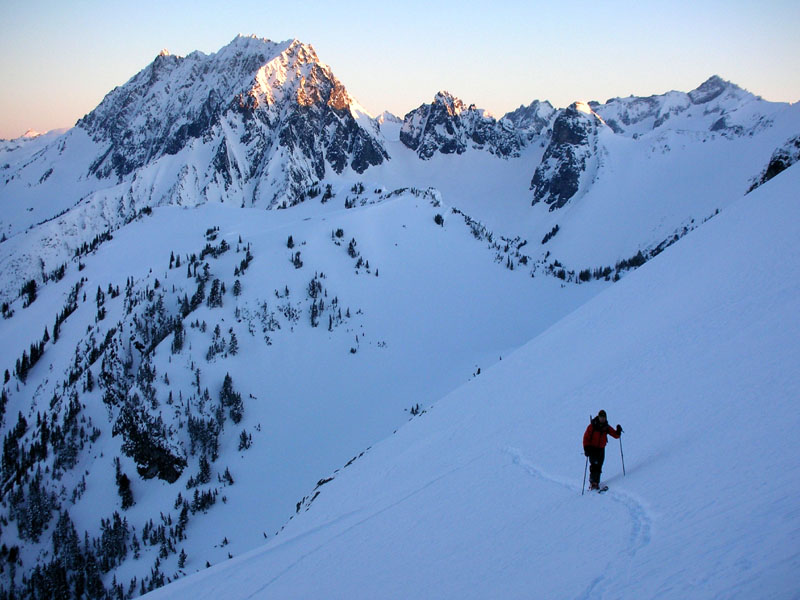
(641,521)
(371,514)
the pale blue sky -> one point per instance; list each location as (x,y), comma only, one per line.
(60,58)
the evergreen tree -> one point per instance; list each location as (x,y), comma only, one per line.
(29,291)
(215,296)
(123,486)
(94,583)
(205,471)
(36,509)
(24,366)
(231,399)
(66,544)
(227,477)
(178,337)
(233,347)
(245,440)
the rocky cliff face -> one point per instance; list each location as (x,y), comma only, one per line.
(566,163)
(448,126)
(533,120)
(275,117)
(783,158)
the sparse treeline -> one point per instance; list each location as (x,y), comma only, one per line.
(121,370)
(163,432)
(614,273)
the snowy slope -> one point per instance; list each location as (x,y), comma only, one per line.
(391,337)
(696,354)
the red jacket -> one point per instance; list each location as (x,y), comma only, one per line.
(596,433)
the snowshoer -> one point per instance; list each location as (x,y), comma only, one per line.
(594,446)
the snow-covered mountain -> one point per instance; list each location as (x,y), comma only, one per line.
(187,368)
(258,122)
(448,126)
(531,120)
(273,114)
(571,158)
(716,105)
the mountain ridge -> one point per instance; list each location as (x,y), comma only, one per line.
(273,76)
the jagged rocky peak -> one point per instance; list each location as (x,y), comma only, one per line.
(638,114)
(172,100)
(452,105)
(449,126)
(569,158)
(712,88)
(274,101)
(532,119)
(296,73)
(387,117)
(574,124)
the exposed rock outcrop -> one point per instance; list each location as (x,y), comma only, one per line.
(566,160)
(448,126)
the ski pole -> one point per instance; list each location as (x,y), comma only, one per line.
(621,454)
(583,487)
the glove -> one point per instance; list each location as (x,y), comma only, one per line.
(619,429)
(586,450)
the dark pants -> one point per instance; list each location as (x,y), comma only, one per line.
(596,458)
